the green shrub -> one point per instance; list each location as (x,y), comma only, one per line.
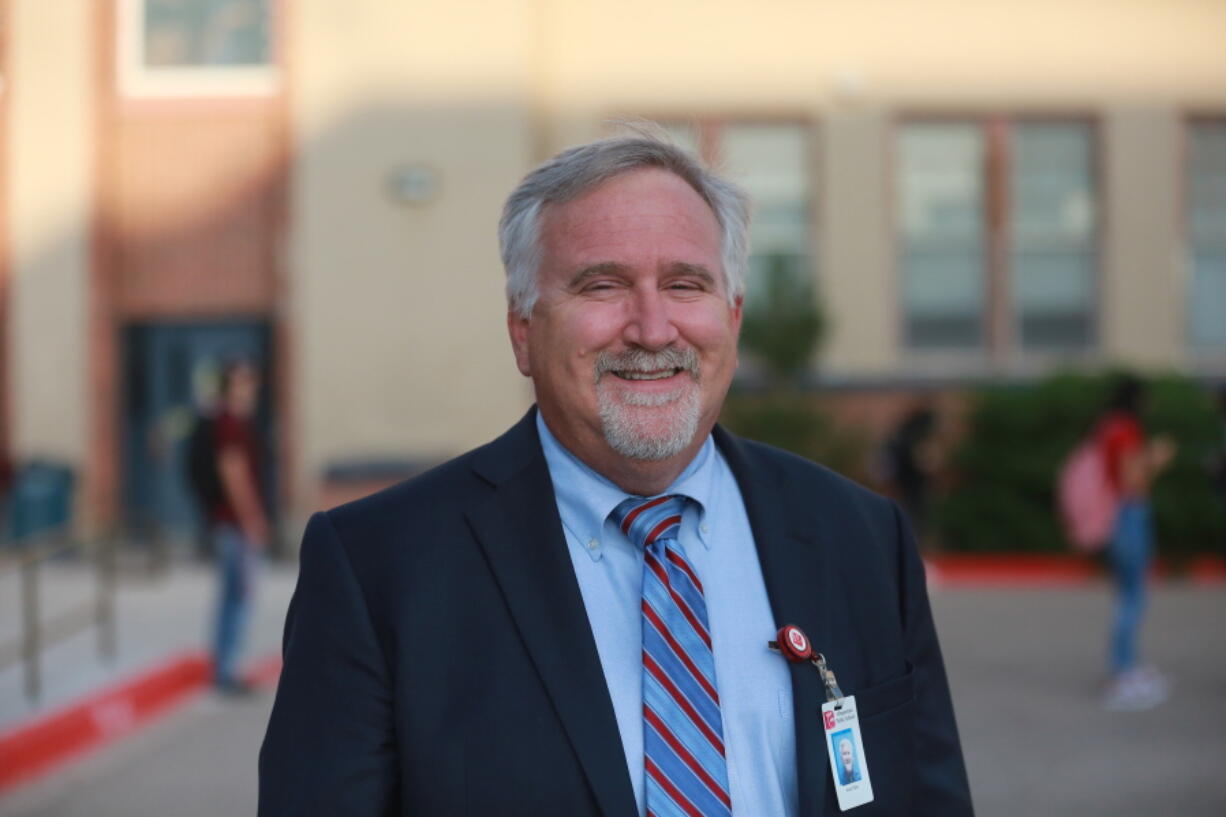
(783,327)
(1004,469)
(784,324)
(792,420)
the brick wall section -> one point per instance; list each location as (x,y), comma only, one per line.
(189,223)
(195,208)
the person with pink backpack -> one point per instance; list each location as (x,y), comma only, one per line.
(1104,491)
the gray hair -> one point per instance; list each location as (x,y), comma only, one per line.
(577,170)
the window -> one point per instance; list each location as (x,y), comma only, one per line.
(998,238)
(205,32)
(191,47)
(1206,174)
(1052,246)
(771,161)
(943,227)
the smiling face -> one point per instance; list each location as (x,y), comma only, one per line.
(845,752)
(632,343)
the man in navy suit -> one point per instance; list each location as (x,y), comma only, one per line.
(501,637)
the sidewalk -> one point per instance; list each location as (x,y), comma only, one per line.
(158,616)
(1024,665)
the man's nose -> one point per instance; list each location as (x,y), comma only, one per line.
(650,324)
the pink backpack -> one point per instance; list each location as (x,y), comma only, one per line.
(1087,501)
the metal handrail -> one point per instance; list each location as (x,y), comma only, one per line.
(38,632)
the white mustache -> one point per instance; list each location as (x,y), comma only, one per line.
(644,361)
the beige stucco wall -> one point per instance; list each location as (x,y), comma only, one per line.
(856,264)
(397,309)
(1142,289)
(714,53)
(49,203)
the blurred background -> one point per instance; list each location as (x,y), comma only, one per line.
(971,219)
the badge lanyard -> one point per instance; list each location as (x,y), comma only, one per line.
(840,721)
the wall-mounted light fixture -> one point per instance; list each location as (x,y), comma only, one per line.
(414,183)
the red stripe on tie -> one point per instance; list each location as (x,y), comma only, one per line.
(633,515)
(673,792)
(681,563)
(681,654)
(653,564)
(658,569)
(663,731)
(686,706)
(667,523)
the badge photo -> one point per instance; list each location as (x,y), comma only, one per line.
(848,762)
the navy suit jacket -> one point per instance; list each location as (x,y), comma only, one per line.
(438,658)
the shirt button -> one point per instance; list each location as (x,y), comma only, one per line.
(704,529)
(592,544)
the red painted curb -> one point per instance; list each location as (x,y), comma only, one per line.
(1051,570)
(35,748)
(1010,569)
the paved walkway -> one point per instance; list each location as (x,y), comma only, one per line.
(1024,666)
(158,615)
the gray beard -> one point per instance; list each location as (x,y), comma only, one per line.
(648,427)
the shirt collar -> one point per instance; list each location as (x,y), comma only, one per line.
(585,498)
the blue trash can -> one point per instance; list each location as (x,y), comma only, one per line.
(41,500)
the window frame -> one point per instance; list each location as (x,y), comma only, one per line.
(1206,357)
(708,126)
(137,80)
(1001,345)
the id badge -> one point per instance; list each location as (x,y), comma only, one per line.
(848,765)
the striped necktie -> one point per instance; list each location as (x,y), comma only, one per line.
(683,733)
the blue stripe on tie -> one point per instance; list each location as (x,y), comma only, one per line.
(654,583)
(686,589)
(661,804)
(682,775)
(658,649)
(662,603)
(674,703)
(658,698)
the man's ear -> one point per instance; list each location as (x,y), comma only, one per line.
(519,328)
(738,312)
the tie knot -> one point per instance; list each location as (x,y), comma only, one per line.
(645,521)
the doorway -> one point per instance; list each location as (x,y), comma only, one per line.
(171,373)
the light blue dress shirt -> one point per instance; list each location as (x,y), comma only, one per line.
(755,689)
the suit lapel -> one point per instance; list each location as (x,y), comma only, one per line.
(800,573)
(520,531)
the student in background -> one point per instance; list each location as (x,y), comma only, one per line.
(1217,462)
(239,517)
(1132,461)
(909,464)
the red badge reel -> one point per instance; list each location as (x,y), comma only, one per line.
(793,644)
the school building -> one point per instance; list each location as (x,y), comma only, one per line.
(977,188)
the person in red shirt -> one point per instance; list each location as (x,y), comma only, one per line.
(239,517)
(1132,463)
